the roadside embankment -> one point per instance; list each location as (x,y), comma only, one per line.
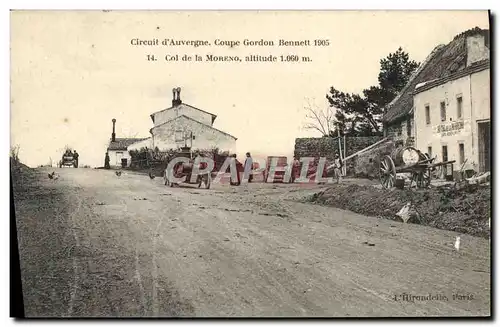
(465,211)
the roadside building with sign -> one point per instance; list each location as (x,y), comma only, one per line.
(452,117)
(444,110)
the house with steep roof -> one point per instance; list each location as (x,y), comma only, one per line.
(444,110)
(185,125)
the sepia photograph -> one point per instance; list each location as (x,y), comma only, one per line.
(250,164)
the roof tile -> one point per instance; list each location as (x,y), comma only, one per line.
(443,61)
(123,143)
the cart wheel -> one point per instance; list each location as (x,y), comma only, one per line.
(423,179)
(200,180)
(208,181)
(387,172)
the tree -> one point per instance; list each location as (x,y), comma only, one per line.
(395,71)
(321,120)
(361,115)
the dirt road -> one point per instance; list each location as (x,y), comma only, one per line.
(94,244)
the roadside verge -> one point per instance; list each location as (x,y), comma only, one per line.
(465,211)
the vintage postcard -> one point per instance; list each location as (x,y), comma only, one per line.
(251,163)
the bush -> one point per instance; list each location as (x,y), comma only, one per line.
(14,153)
(155,159)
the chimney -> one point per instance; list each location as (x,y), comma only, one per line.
(477,47)
(176,100)
(113,135)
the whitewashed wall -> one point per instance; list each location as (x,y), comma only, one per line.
(166,115)
(205,137)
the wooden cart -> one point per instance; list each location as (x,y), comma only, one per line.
(408,160)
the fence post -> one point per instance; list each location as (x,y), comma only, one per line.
(340,149)
(344,168)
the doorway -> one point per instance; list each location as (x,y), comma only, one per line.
(119,156)
(484,139)
(445,158)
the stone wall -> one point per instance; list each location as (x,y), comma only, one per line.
(402,130)
(328,147)
(316,147)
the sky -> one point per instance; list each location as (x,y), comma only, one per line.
(74,71)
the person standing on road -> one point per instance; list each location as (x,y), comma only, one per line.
(75,157)
(295,169)
(106,161)
(248,167)
(236,164)
(338,168)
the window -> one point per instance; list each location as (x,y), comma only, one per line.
(443,111)
(459,107)
(427,115)
(461,153)
(179,136)
(429,151)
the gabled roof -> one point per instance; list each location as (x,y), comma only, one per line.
(123,143)
(181,106)
(444,61)
(194,120)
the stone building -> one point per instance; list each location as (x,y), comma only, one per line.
(452,117)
